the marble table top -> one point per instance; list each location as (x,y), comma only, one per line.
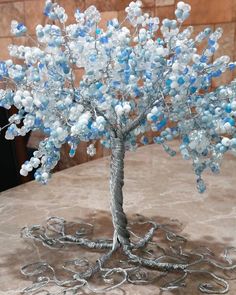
(156,186)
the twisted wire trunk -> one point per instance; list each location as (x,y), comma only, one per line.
(121,235)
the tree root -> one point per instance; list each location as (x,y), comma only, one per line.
(57,225)
(136,269)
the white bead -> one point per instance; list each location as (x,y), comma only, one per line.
(119,110)
(142,31)
(29,167)
(160,51)
(35,162)
(181,5)
(17,99)
(225,141)
(154,111)
(227,127)
(233,105)
(23,172)
(174,84)
(9,62)
(59,130)
(127,108)
(100,120)
(9,136)
(175,66)
(45,175)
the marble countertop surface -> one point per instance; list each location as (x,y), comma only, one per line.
(156,186)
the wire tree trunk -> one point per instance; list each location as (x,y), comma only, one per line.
(121,235)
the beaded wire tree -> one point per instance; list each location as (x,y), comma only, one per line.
(133,82)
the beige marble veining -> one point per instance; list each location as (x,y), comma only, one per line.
(156,186)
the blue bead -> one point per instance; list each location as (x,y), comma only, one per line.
(211,42)
(99,85)
(47,10)
(81,33)
(115,84)
(209,76)
(181,81)
(162,124)
(110,23)
(158,140)
(232,66)
(185,72)
(213,50)
(90,124)
(228,108)
(3,69)
(47,130)
(20,26)
(201,185)
(65,67)
(148,75)
(203,59)
(137,91)
(104,40)
(186,139)
(144,140)
(154,118)
(216,74)
(72,152)
(192,80)
(37,122)
(93,57)
(215,168)
(168,82)
(101,98)
(178,50)
(231,121)
(193,89)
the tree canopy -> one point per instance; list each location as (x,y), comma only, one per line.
(150,76)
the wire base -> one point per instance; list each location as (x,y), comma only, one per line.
(144,261)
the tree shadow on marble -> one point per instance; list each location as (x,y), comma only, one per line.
(68,262)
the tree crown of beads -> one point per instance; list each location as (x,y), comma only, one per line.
(134,81)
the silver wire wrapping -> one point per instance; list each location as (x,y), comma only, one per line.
(121,234)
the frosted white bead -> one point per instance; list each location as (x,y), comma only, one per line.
(9,62)
(160,51)
(45,175)
(119,110)
(174,84)
(225,141)
(233,105)
(227,127)
(17,99)
(28,167)
(127,108)
(23,172)
(59,130)
(9,135)
(91,150)
(100,120)
(181,5)
(35,162)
